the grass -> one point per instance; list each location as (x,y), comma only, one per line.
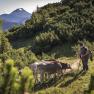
(74,83)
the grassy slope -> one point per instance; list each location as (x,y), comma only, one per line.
(74,83)
(77,83)
(71,84)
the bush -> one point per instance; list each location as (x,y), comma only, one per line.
(27,80)
(22,57)
(44,42)
(14,83)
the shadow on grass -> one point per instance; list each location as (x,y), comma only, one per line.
(81,73)
(56,81)
(47,84)
(91,86)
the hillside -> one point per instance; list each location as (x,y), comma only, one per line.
(8,25)
(53,32)
(58,23)
(76,83)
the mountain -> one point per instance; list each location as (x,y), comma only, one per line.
(17,17)
(7,25)
(55,24)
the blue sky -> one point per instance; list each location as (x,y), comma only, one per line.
(7,6)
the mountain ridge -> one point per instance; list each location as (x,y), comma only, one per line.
(17,17)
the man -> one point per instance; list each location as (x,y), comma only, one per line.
(84,56)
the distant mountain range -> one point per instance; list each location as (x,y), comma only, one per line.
(17,17)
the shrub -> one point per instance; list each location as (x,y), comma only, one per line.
(27,80)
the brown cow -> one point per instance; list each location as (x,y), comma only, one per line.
(49,67)
(52,67)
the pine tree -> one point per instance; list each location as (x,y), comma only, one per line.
(5,45)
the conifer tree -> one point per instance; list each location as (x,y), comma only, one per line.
(5,45)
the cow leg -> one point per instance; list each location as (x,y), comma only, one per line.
(41,75)
(46,76)
(49,76)
(35,76)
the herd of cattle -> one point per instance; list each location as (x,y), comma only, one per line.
(51,68)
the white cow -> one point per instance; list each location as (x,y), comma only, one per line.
(34,67)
